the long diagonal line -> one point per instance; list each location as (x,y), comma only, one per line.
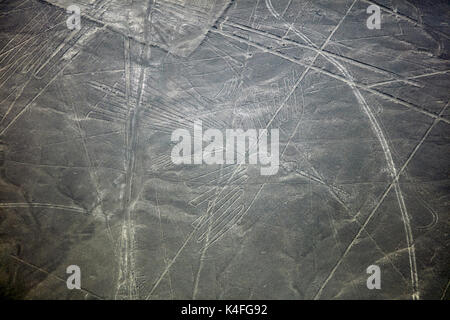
(42,205)
(335,76)
(279,39)
(321,50)
(302,76)
(436,118)
(267,126)
(384,144)
(393,183)
(180,250)
(31,265)
(382,139)
(30,103)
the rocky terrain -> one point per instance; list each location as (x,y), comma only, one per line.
(86,176)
